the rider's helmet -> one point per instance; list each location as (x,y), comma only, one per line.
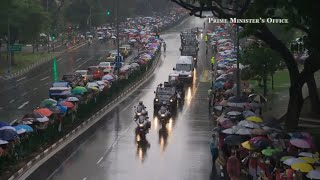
(140,103)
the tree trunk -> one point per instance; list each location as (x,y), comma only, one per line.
(265,86)
(294,107)
(272,82)
(13,62)
(313,94)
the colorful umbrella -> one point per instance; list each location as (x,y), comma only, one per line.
(20,130)
(3,142)
(26,127)
(8,134)
(300,143)
(4,124)
(247,145)
(243,131)
(284,158)
(314,174)
(72,99)
(308,154)
(292,161)
(303,167)
(48,103)
(69,105)
(44,111)
(79,90)
(309,160)
(234,113)
(254,119)
(233,140)
(270,151)
(247,114)
(249,124)
(7,127)
(227,123)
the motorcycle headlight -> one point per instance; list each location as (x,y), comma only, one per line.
(194,58)
(190,75)
(171,100)
(140,125)
(139,114)
(162,115)
(157,99)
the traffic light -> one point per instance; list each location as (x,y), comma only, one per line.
(108,12)
(53,37)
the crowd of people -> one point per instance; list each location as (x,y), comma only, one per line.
(245,145)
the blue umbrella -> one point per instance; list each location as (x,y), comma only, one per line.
(63,109)
(4,124)
(218,85)
(25,127)
(8,135)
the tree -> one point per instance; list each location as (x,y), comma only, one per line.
(301,15)
(262,62)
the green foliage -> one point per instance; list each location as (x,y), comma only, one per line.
(262,61)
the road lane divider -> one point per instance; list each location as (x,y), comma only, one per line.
(23,105)
(21,79)
(31,166)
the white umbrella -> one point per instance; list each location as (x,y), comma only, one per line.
(20,131)
(249,124)
(243,131)
(293,160)
(308,154)
(125,68)
(44,119)
(8,127)
(113,37)
(107,77)
(314,174)
(90,36)
(100,38)
(234,113)
(229,131)
(3,142)
(132,40)
(135,65)
(72,99)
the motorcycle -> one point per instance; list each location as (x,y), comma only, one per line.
(139,111)
(164,115)
(180,96)
(143,126)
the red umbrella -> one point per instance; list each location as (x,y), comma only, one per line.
(69,105)
(44,111)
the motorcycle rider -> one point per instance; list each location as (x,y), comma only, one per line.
(164,46)
(144,113)
(164,106)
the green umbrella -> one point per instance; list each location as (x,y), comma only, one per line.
(270,152)
(79,90)
(48,103)
(284,158)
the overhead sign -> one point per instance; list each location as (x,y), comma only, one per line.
(118,59)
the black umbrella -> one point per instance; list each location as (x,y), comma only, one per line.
(239,109)
(234,140)
(280,135)
(8,134)
(261,144)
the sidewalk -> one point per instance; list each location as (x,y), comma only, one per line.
(278,105)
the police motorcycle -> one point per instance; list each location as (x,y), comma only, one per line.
(164,114)
(141,119)
(174,80)
(140,110)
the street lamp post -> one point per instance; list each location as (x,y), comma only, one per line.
(238,53)
(117,34)
(48,30)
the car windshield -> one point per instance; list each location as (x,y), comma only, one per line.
(82,72)
(60,84)
(183,67)
(164,91)
(104,64)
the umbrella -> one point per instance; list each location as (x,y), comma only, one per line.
(7,127)
(292,161)
(233,140)
(244,131)
(247,114)
(247,145)
(259,132)
(261,144)
(302,167)
(19,130)
(3,142)
(4,124)
(234,113)
(314,174)
(248,124)
(67,104)
(222,119)
(280,135)
(224,103)
(113,37)
(239,109)
(48,103)
(34,116)
(8,134)
(285,158)
(44,111)
(79,91)
(107,77)
(25,127)
(254,119)
(218,85)
(227,123)
(63,109)
(72,99)
(308,154)
(229,131)
(270,151)
(300,143)
(229,91)
(309,159)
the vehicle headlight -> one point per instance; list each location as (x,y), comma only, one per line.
(157,99)
(190,75)
(171,100)
(162,115)
(194,58)
(139,114)
(140,125)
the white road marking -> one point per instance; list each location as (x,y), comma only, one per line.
(84,179)
(79,59)
(100,58)
(44,78)
(21,79)
(13,121)
(59,59)
(24,104)
(24,94)
(100,160)
(12,101)
(84,62)
(46,83)
(35,89)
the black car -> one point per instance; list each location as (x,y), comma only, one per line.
(165,93)
(75,79)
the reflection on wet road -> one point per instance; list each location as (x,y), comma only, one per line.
(178,151)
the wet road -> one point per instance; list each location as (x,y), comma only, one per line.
(178,152)
(23,94)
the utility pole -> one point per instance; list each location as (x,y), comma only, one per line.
(90,20)
(118,39)
(48,29)
(9,44)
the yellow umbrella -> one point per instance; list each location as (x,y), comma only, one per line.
(247,145)
(309,159)
(303,167)
(94,88)
(254,119)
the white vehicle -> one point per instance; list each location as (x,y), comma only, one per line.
(184,67)
(84,74)
(106,65)
(98,84)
